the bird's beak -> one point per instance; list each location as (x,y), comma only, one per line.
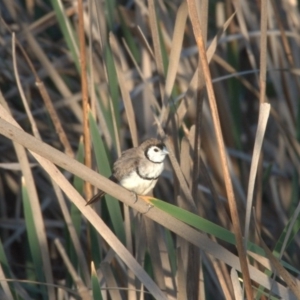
(165,150)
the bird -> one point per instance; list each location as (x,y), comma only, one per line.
(138,168)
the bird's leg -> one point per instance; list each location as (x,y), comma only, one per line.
(147,200)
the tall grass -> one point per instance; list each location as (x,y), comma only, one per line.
(217,82)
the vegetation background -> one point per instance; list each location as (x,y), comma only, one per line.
(218,81)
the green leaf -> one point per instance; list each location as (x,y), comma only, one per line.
(33,241)
(104,168)
(208,227)
(6,269)
(130,40)
(76,218)
(95,285)
(67,30)
(113,85)
(110,7)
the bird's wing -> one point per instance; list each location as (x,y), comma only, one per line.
(127,163)
(124,165)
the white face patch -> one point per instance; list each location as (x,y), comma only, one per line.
(156,154)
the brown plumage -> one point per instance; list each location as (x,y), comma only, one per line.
(138,168)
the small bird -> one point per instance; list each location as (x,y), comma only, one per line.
(138,168)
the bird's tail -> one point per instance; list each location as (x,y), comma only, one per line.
(95,198)
(100,194)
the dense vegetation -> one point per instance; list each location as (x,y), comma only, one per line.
(217,81)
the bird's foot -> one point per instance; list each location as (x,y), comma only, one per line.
(147,200)
(149,206)
(135,196)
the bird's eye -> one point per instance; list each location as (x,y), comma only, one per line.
(155,149)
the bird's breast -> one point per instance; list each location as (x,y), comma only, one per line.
(143,181)
(150,170)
